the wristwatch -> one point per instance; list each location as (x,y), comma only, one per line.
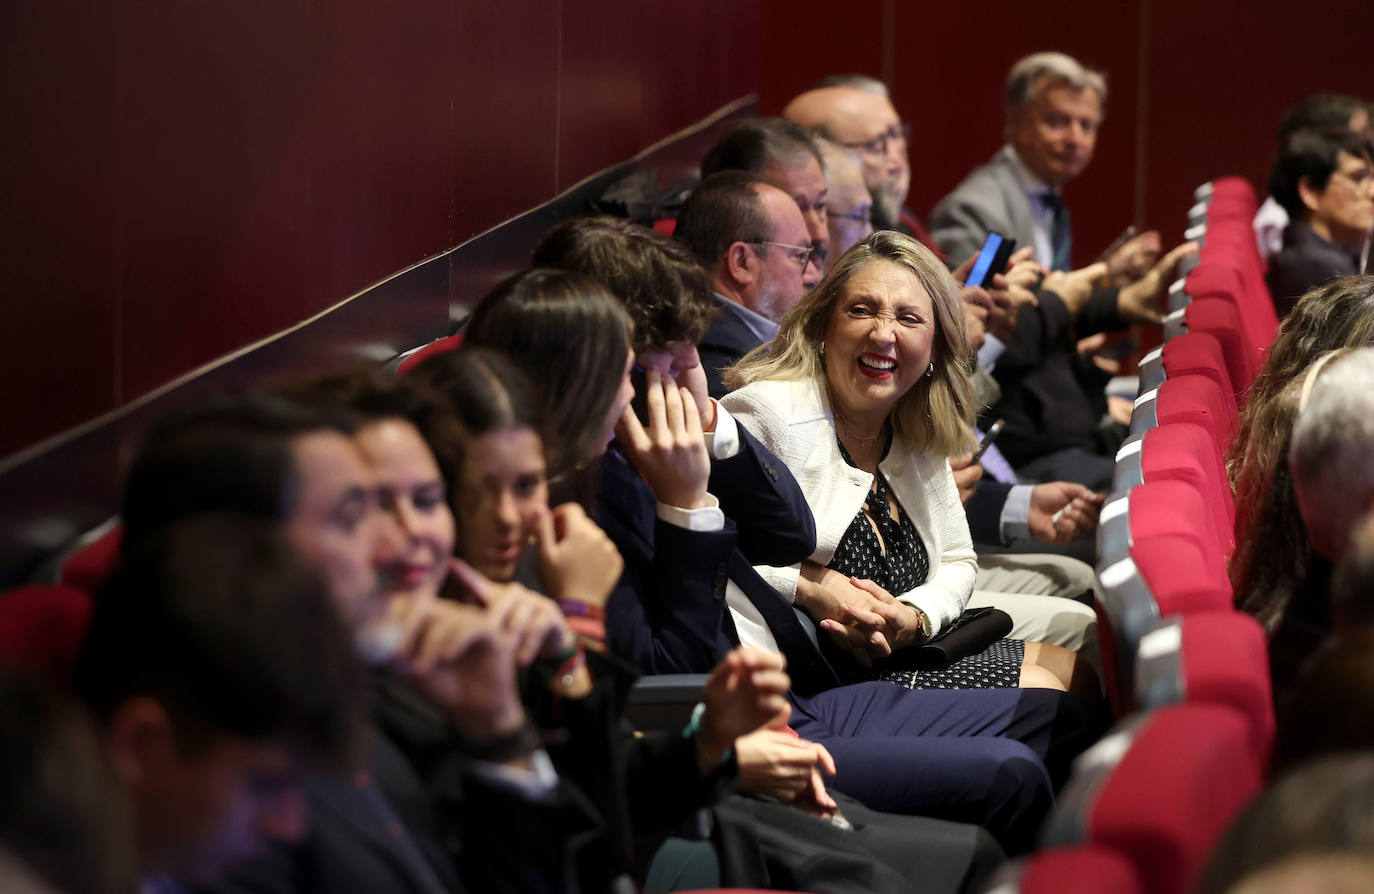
(924,620)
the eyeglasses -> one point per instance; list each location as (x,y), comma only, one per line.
(861,215)
(801,254)
(878,145)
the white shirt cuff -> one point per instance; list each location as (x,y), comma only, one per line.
(536,783)
(723,443)
(992,349)
(1015,518)
(707,518)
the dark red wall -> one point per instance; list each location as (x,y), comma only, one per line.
(1196,87)
(182,179)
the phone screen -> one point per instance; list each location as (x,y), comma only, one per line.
(979,274)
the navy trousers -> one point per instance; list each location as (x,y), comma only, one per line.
(987,756)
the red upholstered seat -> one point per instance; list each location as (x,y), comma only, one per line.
(41,628)
(1184,451)
(1210,657)
(438,346)
(1160,790)
(90,565)
(1219,318)
(1075,870)
(1196,399)
(1199,354)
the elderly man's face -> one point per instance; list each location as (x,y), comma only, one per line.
(1056,132)
(872,132)
(802,179)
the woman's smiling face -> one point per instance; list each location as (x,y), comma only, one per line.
(878,342)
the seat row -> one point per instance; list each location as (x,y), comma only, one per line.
(1187,673)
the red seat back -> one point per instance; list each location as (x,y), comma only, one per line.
(438,346)
(41,628)
(89,566)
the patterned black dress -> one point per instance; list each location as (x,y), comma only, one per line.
(905,565)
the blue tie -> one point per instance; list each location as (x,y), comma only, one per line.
(1061,236)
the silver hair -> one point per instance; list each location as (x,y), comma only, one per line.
(1060,69)
(1333,441)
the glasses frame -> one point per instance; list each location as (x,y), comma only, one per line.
(880,144)
(808,251)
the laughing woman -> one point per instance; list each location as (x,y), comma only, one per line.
(863,394)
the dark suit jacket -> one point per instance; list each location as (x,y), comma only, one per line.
(984,510)
(1306,260)
(1044,402)
(728,339)
(668,614)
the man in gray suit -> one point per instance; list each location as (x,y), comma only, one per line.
(1053,112)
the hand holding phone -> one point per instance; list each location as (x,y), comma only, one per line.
(992,259)
(993,431)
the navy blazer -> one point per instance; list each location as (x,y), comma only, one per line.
(728,339)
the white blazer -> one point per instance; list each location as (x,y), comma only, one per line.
(794,421)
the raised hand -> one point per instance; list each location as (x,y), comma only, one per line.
(576,559)
(462,660)
(534,623)
(746,691)
(1063,511)
(671,453)
(1139,302)
(1134,258)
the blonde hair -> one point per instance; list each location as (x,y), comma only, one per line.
(936,414)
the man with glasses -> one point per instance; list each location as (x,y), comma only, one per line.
(1325,181)
(753,241)
(855,112)
(849,211)
(786,156)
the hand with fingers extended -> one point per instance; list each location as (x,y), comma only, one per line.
(459,656)
(534,623)
(1134,258)
(671,452)
(1140,301)
(745,691)
(577,561)
(693,380)
(776,762)
(1063,511)
(1075,287)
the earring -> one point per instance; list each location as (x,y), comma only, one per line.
(822,347)
(931,370)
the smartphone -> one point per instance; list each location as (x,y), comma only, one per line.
(992,259)
(993,431)
(1126,236)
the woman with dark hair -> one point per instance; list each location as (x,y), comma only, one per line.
(530,318)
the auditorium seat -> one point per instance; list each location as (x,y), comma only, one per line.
(1194,399)
(1069,870)
(1209,657)
(1181,451)
(1159,790)
(90,564)
(1220,319)
(41,628)
(1157,556)
(419,355)
(1188,354)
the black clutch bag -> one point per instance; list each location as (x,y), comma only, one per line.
(971,633)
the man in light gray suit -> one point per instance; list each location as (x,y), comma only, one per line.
(1053,111)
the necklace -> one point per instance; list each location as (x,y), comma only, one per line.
(858,437)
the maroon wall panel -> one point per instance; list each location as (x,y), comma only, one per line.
(183,179)
(635,72)
(60,247)
(1221,75)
